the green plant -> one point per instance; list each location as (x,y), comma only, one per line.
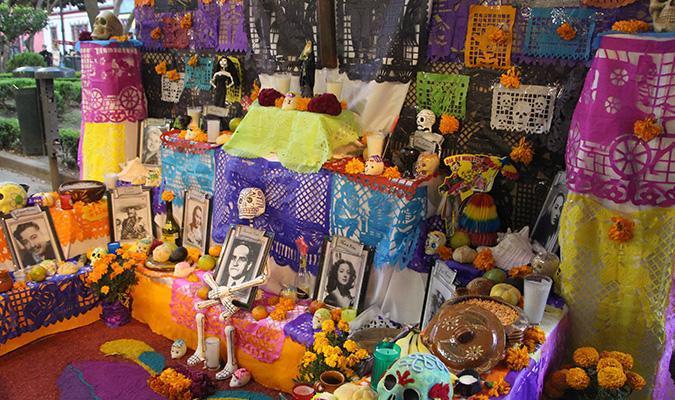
(25,59)
(70,140)
(9,134)
(68,91)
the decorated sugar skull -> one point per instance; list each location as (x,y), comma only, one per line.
(374,165)
(419,376)
(435,239)
(240,378)
(178,349)
(106,25)
(251,203)
(191,134)
(12,197)
(97,254)
(320,315)
(427,164)
(425,120)
(143,245)
(290,102)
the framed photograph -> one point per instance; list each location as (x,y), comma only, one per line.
(130,211)
(149,140)
(440,288)
(545,231)
(196,220)
(343,273)
(31,236)
(242,259)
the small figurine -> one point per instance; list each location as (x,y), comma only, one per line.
(435,239)
(290,102)
(405,161)
(97,254)
(106,25)
(227,77)
(307,70)
(322,314)
(374,165)
(240,378)
(178,349)
(425,120)
(427,164)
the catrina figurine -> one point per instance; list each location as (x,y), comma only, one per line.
(307,70)
(227,77)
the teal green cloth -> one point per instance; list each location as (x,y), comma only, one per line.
(301,140)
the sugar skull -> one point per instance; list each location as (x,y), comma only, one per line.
(320,315)
(435,239)
(425,120)
(143,245)
(374,165)
(178,349)
(427,164)
(12,197)
(97,254)
(419,376)
(106,25)
(290,102)
(240,378)
(251,203)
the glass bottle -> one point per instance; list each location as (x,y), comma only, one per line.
(303,279)
(171,230)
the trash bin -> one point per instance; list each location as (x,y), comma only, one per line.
(28,112)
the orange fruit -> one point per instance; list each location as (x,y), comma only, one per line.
(203,292)
(259,312)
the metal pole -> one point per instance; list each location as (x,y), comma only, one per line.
(63,30)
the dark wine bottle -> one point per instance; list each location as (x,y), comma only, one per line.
(171,230)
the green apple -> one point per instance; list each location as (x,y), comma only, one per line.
(459,239)
(496,275)
(234,123)
(206,263)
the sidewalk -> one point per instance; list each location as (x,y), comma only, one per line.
(37,167)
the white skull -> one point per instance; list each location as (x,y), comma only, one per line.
(106,25)
(425,120)
(663,15)
(178,349)
(521,114)
(374,166)
(251,203)
(435,239)
(320,315)
(240,378)
(97,254)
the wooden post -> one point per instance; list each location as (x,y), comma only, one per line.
(327,43)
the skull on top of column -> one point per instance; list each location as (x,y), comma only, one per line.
(106,25)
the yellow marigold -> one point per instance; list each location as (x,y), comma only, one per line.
(520,271)
(105,289)
(352,360)
(566,31)
(301,103)
(621,230)
(611,378)
(391,173)
(608,362)
(193,61)
(511,79)
(287,302)
(585,357)
(647,129)
(332,361)
(278,314)
(355,166)
(362,354)
(635,381)
(484,261)
(161,68)
(449,124)
(156,33)
(168,195)
(534,336)
(500,388)
(630,26)
(625,359)
(522,153)
(343,325)
(308,358)
(517,358)
(173,75)
(577,379)
(186,21)
(351,346)
(328,326)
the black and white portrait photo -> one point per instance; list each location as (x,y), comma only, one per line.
(545,230)
(131,215)
(196,212)
(32,238)
(242,259)
(342,275)
(150,141)
(440,288)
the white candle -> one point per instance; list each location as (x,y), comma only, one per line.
(375,143)
(212,352)
(213,129)
(195,113)
(334,87)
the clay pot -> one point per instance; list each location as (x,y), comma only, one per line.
(329,381)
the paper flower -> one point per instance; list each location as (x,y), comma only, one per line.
(173,75)
(517,358)
(326,103)
(484,261)
(267,97)
(301,245)
(449,124)
(193,61)
(511,79)
(391,173)
(585,357)
(156,33)
(647,129)
(577,379)
(161,68)
(611,378)
(522,152)
(630,26)
(355,166)
(566,31)
(167,196)
(621,230)
(186,21)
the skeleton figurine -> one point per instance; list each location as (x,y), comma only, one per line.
(225,297)
(223,80)
(425,120)
(307,69)
(106,25)
(663,15)
(435,239)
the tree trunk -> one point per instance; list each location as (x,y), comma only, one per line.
(29,42)
(92,11)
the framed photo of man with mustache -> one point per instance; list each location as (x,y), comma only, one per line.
(31,236)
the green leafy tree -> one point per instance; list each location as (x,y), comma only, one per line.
(17,21)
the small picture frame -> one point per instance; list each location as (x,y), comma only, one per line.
(545,230)
(242,259)
(130,212)
(197,220)
(150,141)
(440,288)
(343,273)
(31,236)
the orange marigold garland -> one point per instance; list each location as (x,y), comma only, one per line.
(566,32)
(647,129)
(391,173)
(161,68)
(523,152)
(355,166)
(517,358)
(511,79)
(630,26)
(621,230)
(484,261)
(449,124)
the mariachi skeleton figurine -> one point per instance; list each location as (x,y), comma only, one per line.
(223,80)
(307,69)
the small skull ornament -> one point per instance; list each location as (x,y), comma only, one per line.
(251,203)
(290,102)
(425,120)
(178,349)
(97,254)
(427,164)
(374,165)
(435,239)
(240,378)
(320,315)
(419,376)
(106,25)
(143,245)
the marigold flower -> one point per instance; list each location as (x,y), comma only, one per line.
(308,358)
(343,325)
(484,261)
(328,326)
(156,33)
(608,362)
(522,152)
(511,79)
(336,314)
(611,378)
(279,102)
(479,397)
(351,346)
(255,91)
(621,230)
(625,359)
(161,68)
(520,271)
(449,124)
(186,21)
(167,195)
(630,26)
(500,388)
(558,380)
(193,61)
(577,379)
(635,381)
(585,357)
(105,289)
(517,358)
(355,166)
(278,314)
(343,105)
(362,354)
(173,75)
(391,173)
(566,31)
(301,103)
(444,252)
(647,129)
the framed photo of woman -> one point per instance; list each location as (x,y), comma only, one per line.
(440,288)
(343,273)
(197,220)
(130,214)
(150,141)
(31,236)
(545,230)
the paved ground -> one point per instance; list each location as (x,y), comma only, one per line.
(35,185)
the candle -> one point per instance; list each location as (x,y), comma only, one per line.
(213,129)
(113,246)
(284,83)
(212,352)
(375,142)
(195,114)
(334,87)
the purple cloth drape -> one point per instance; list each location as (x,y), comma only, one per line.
(664,387)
